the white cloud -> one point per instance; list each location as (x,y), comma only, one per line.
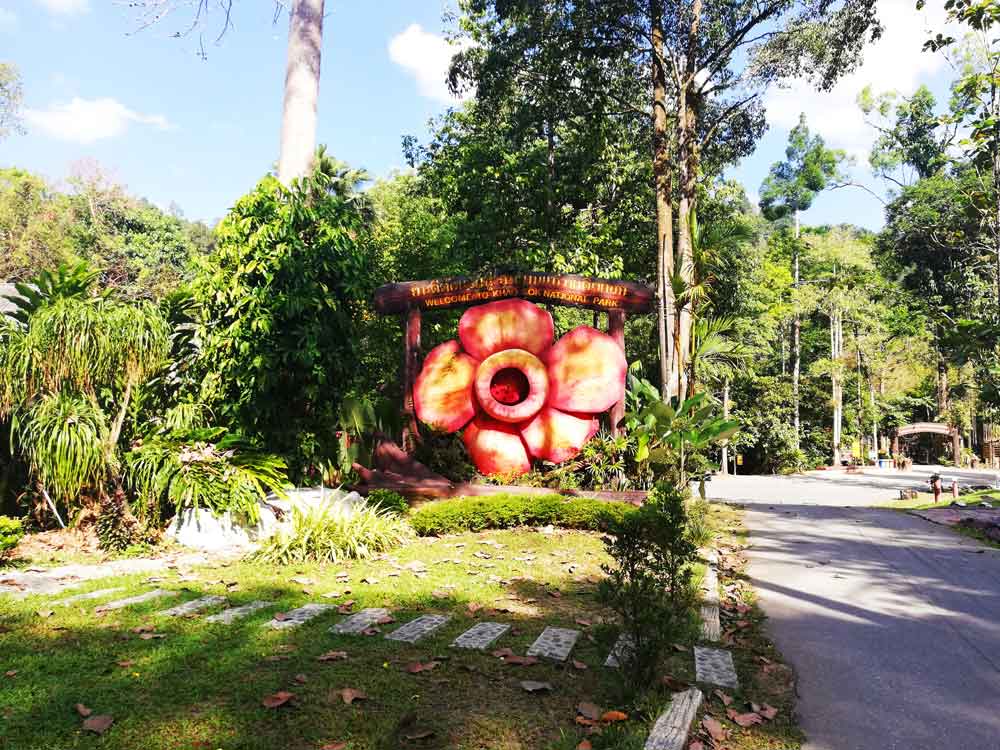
(8,20)
(65,7)
(89,120)
(425,56)
(897,61)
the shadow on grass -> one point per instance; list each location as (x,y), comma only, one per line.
(201,685)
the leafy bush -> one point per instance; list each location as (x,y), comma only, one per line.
(326,533)
(11,532)
(648,583)
(390,501)
(699,526)
(507,511)
(208,468)
(282,302)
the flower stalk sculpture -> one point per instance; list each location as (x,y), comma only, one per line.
(519,394)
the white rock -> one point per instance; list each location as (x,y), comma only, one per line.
(202,530)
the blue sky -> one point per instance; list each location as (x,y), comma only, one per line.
(200,133)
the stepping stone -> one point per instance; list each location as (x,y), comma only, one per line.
(196,605)
(227,616)
(670,732)
(298,616)
(714,666)
(621,648)
(359,622)
(99,594)
(481,635)
(139,599)
(415,630)
(554,643)
(711,628)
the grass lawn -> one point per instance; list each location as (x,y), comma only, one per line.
(201,685)
(925,501)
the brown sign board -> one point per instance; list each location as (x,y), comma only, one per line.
(560,289)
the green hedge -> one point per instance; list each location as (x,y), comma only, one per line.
(506,511)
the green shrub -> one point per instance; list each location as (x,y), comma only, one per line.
(648,583)
(325,533)
(11,532)
(698,522)
(390,501)
(507,511)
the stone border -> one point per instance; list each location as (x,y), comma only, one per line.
(671,729)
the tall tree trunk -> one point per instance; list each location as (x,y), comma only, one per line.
(550,185)
(298,119)
(836,344)
(796,338)
(687,157)
(664,211)
(725,414)
(942,385)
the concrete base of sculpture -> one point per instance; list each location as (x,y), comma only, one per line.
(201,529)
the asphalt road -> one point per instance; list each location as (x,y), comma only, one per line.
(892,623)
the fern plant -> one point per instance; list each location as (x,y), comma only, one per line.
(204,468)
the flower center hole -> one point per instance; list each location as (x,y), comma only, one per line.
(510,386)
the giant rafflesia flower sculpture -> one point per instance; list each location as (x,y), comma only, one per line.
(518,395)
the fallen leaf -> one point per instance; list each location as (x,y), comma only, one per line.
(416,667)
(744,720)
(98,724)
(474,607)
(612,716)
(696,745)
(589,710)
(584,745)
(521,661)
(144,629)
(768,712)
(532,686)
(583,623)
(438,594)
(151,636)
(301,679)
(387,620)
(502,653)
(332,656)
(578,664)
(555,594)
(714,728)
(349,695)
(346,607)
(303,581)
(277,699)
(83,710)
(679,647)
(280,616)
(420,734)
(334,746)
(725,698)
(10,673)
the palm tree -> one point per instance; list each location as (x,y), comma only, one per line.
(713,350)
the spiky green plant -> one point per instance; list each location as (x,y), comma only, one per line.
(206,468)
(64,439)
(325,533)
(66,282)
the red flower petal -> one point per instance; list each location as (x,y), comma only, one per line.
(512,385)
(556,436)
(496,447)
(586,371)
(442,393)
(505,324)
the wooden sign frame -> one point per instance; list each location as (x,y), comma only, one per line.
(409,298)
